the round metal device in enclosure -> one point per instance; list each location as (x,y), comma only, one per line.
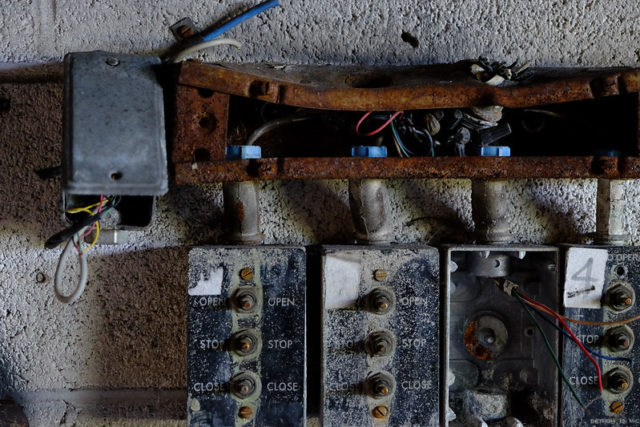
(485,337)
(487,264)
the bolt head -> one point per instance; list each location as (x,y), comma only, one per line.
(245,412)
(246,273)
(111,61)
(380,412)
(185,31)
(616,407)
(380,275)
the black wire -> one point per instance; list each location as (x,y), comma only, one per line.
(69,232)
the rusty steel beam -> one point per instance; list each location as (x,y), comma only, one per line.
(407,168)
(404,88)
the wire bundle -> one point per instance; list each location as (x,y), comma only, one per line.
(528,303)
(74,236)
(404,123)
(209,39)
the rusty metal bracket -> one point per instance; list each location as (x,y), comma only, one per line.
(204,91)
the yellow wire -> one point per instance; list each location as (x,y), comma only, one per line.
(86,208)
(95,239)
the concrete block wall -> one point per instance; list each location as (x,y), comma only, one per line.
(118,355)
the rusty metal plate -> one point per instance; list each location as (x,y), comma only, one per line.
(411,168)
(403,88)
(200,126)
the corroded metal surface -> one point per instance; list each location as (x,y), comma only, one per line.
(411,168)
(403,88)
(202,108)
(200,126)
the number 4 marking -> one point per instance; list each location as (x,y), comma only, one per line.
(587,279)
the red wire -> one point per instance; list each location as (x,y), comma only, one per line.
(557,316)
(94,224)
(375,131)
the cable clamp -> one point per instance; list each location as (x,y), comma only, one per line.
(507,286)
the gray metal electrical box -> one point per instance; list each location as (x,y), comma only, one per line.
(496,363)
(246,325)
(602,283)
(114,129)
(380,333)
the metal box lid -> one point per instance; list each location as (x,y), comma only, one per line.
(114,130)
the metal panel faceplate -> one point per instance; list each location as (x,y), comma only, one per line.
(619,404)
(246,336)
(114,130)
(497,365)
(380,327)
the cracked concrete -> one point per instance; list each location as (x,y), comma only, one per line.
(128,330)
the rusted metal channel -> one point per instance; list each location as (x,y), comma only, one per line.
(202,113)
(403,88)
(411,168)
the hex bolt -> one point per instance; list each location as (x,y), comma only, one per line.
(245,412)
(380,385)
(243,385)
(616,407)
(245,342)
(185,31)
(380,300)
(618,381)
(620,297)
(246,273)
(380,412)
(619,339)
(246,300)
(111,61)
(380,343)
(380,275)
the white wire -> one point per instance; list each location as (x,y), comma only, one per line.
(62,262)
(205,45)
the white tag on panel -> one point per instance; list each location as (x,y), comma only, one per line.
(210,284)
(341,279)
(584,279)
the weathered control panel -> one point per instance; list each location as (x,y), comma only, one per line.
(246,336)
(497,369)
(602,283)
(380,332)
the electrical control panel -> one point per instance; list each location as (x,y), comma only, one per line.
(246,336)
(497,367)
(380,335)
(601,285)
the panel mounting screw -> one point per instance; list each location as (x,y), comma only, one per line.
(112,61)
(616,407)
(245,412)
(246,273)
(380,275)
(380,412)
